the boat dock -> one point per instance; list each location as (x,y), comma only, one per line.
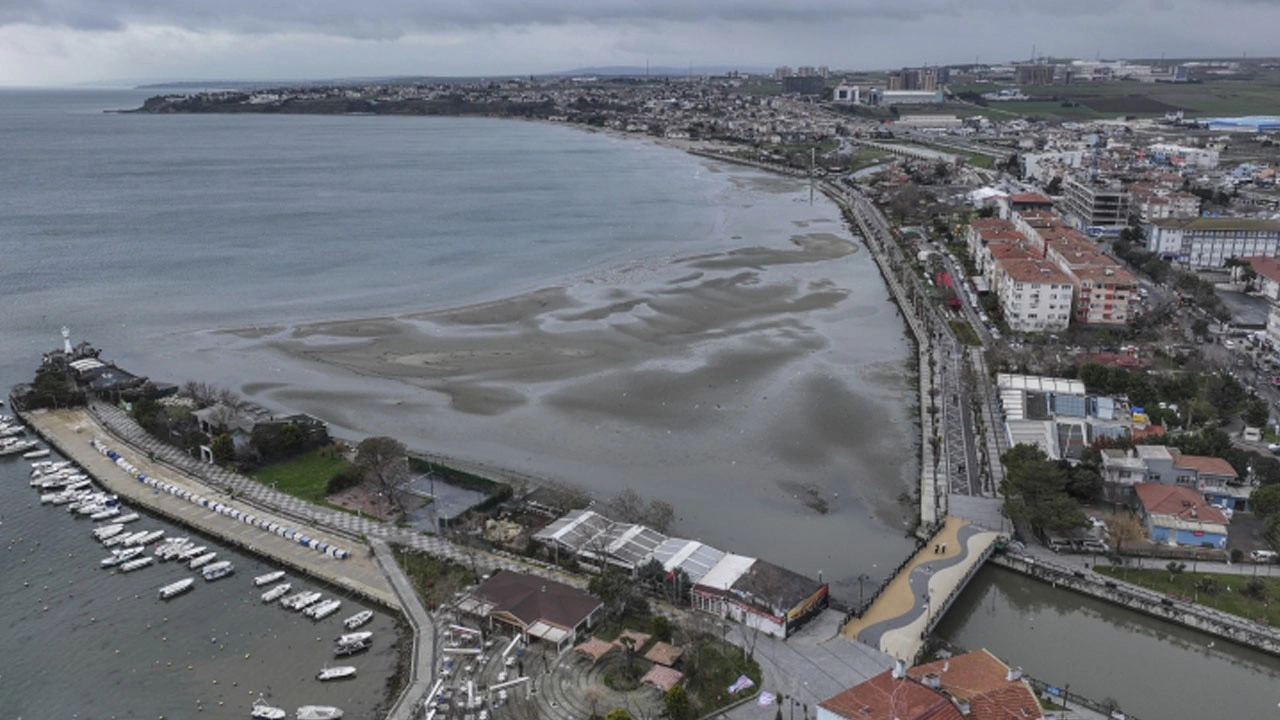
(909,606)
(72,431)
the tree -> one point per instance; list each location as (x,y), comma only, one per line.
(1266,500)
(1256,413)
(678,704)
(1055,186)
(1126,528)
(1175,568)
(384,463)
(224,450)
(618,714)
(1035,490)
(660,626)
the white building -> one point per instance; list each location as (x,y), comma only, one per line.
(847,94)
(1203,158)
(1035,295)
(1208,242)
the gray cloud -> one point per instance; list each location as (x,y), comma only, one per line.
(389,19)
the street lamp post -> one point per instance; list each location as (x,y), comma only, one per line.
(861,606)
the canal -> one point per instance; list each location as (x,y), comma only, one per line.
(1153,669)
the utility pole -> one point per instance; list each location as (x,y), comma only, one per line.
(812,153)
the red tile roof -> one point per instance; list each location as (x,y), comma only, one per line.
(1267,267)
(885,698)
(1033,270)
(1179,500)
(1030,198)
(1206,464)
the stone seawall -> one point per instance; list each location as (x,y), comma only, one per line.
(1191,615)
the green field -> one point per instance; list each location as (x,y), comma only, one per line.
(1258,94)
(1228,592)
(305,476)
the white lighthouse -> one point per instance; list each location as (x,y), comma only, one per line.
(66,340)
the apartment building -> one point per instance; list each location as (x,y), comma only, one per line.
(1035,295)
(1208,242)
(1104,290)
(1096,207)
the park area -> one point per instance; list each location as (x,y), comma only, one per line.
(1248,596)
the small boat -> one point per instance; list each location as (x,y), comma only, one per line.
(171,550)
(120,556)
(132,538)
(336,673)
(320,611)
(117,539)
(351,648)
(358,619)
(151,537)
(105,513)
(318,712)
(138,564)
(176,588)
(204,559)
(218,570)
(263,711)
(131,517)
(307,600)
(268,578)
(363,636)
(33,454)
(192,552)
(276,592)
(102,532)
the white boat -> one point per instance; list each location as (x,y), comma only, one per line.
(18,446)
(307,600)
(276,592)
(102,532)
(218,570)
(204,559)
(318,712)
(320,611)
(358,619)
(132,538)
(131,517)
(141,562)
(351,648)
(33,454)
(151,537)
(263,711)
(192,552)
(105,513)
(117,539)
(336,673)
(300,599)
(355,637)
(120,556)
(171,549)
(176,588)
(268,578)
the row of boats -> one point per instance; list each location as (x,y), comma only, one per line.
(61,483)
(12,442)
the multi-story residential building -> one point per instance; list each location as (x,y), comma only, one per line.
(1203,158)
(1096,207)
(1208,242)
(1103,289)
(1035,295)
(1152,203)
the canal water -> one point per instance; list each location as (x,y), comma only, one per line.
(81,641)
(1155,670)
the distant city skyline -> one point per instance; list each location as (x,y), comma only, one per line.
(69,42)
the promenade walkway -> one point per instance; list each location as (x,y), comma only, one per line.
(913,601)
(422,670)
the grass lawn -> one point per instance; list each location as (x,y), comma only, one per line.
(1230,596)
(965,332)
(720,665)
(434,579)
(305,476)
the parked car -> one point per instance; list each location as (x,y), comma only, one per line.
(1263,556)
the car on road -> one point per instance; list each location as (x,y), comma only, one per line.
(1263,556)
(1229,344)
(1274,447)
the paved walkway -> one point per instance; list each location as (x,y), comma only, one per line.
(422,668)
(900,617)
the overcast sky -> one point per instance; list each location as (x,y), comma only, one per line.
(66,42)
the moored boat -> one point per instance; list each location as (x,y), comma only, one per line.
(120,556)
(336,673)
(204,559)
(358,619)
(362,636)
(131,517)
(192,552)
(322,610)
(137,564)
(352,648)
(176,588)
(105,514)
(263,711)
(218,570)
(276,592)
(33,454)
(268,578)
(318,712)
(102,532)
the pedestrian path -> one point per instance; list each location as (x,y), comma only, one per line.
(249,491)
(899,619)
(422,668)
